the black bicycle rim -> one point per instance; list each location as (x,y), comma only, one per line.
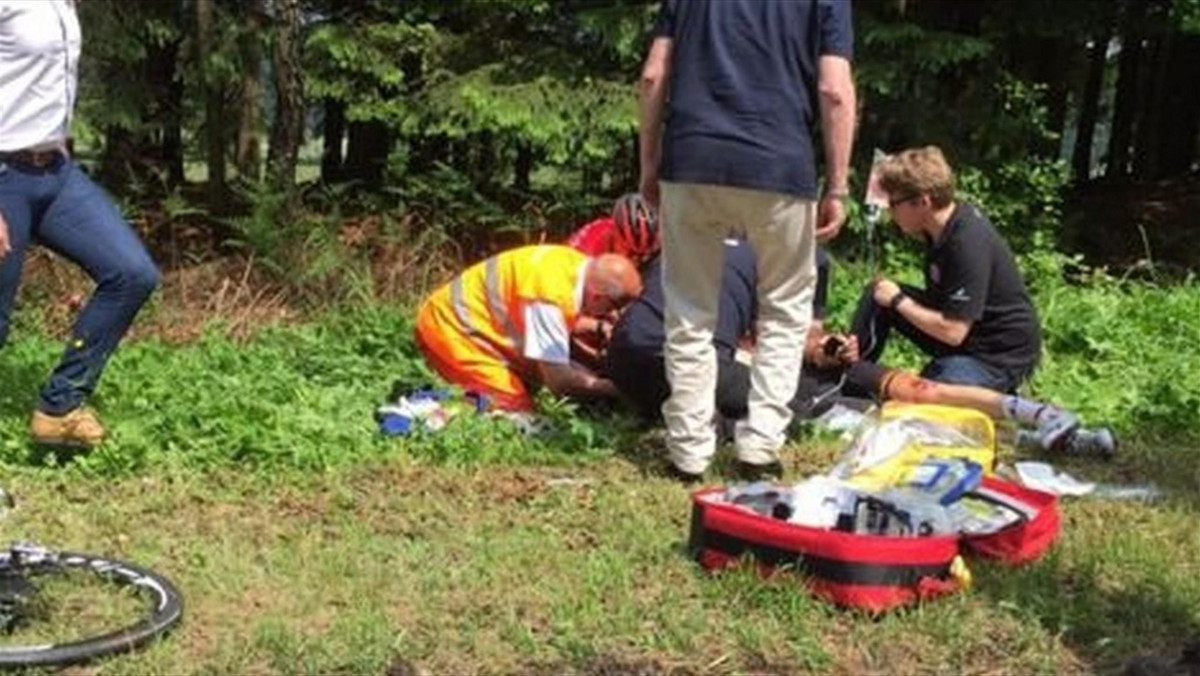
(166,611)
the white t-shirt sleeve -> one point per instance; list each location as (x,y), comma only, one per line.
(546,335)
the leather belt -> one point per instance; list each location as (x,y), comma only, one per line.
(39,159)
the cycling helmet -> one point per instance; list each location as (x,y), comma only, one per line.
(636,231)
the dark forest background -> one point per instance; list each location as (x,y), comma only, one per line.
(256,122)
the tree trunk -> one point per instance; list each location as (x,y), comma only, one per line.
(1152,97)
(1181,116)
(334,133)
(162,118)
(523,167)
(367,148)
(117,160)
(288,127)
(1055,75)
(483,164)
(1150,117)
(172,133)
(428,149)
(1089,106)
(214,107)
(248,154)
(1120,146)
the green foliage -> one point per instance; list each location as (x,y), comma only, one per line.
(453,198)
(298,396)
(485,94)
(1116,349)
(360,65)
(564,120)
(899,55)
(1186,13)
(1022,198)
(910,71)
(259,231)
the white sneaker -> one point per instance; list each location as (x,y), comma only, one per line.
(1099,442)
(1054,432)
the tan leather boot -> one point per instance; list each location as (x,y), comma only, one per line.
(79,428)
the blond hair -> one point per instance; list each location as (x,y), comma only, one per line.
(918,171)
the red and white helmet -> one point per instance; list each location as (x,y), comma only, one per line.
(636,224)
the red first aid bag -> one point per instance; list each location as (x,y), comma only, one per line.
(871,572)
(1037,527)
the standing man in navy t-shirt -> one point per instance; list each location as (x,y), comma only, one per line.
(731,91)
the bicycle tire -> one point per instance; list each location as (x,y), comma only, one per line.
(166,611)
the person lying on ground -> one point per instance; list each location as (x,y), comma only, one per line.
(974,317)
(503,326)
(630,230)
(634,353)
(833,371)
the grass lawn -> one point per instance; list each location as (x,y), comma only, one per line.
(397,563)
(250,473)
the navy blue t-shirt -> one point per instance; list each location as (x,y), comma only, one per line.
(743,89)
(640,328)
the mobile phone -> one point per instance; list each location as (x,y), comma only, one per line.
(832,345)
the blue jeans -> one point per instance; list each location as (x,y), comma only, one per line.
(60,208)
(961,369)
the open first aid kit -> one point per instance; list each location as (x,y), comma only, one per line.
(890,523)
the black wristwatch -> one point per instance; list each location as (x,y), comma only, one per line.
(894,303)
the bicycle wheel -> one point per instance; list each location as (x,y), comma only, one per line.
(83,597)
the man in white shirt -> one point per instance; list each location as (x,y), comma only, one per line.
(45,198)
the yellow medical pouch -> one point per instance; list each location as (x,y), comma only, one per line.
(966,433)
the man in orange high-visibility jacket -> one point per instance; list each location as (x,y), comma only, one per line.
(505,324)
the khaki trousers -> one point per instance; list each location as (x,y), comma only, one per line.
(696,219)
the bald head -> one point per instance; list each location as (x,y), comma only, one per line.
(612,282)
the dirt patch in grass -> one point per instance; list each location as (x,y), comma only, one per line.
(400,666)
(233,291)
(608,665)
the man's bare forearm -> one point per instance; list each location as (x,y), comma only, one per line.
(655,75)
(838,103)
(934,323)
(575,381)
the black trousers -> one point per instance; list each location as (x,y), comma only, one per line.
(642,379)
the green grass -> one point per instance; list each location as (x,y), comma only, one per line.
(546,569)
(250,472)
(300,396)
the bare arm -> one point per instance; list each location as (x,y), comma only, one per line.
(934,323)
(656,73)
(812,342)
(931,322)
(574,381)
(838,103)
(5,245)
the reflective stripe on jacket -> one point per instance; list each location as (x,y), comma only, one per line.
(485,304)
